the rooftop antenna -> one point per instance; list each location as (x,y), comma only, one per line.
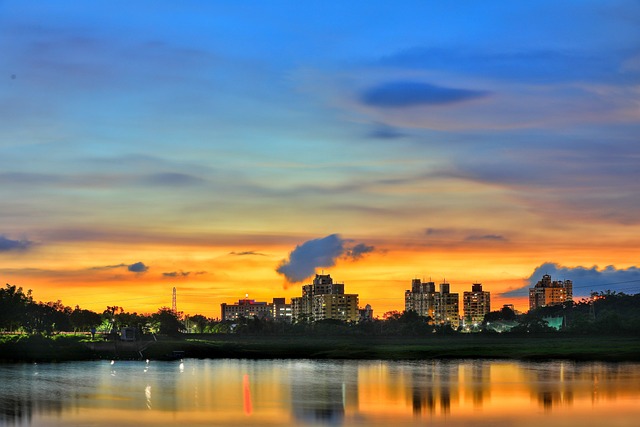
(174,305)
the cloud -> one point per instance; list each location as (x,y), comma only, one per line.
(108,267)
(245,253)
(386,132)
(399,94)
(138,267)
(175,274)
(489,237)
(324,252)
(171,179)
(7,244)
(585,279)
(359,250)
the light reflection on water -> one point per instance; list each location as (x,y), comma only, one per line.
(305,392)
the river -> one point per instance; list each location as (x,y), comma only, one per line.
(308,392)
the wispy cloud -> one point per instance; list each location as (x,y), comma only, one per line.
(247,253)
(398,94)
(176,274)
(381,131)
(486,237)
(359,250)
(7,244)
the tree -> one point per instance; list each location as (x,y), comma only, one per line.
(84,320)
(200,322)
(168,321)
(505,313)
(14,305)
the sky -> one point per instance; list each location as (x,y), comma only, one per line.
(230,148)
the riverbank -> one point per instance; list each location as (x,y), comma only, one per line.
(480,346)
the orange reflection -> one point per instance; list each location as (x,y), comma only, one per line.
(286,392)
(247,395)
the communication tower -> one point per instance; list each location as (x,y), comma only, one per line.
(174,305)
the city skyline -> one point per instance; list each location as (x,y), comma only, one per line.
(230,148)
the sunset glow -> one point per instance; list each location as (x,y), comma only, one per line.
(145,146)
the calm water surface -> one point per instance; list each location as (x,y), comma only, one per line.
(288,392)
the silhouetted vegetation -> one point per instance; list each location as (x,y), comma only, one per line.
(603,313)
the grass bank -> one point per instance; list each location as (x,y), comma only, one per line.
(37,348)
(556,346)
(529,347)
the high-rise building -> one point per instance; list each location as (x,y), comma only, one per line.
(336,306)
(440,307)
(447,307)
(421,298)
(547,292)
(323,299)
(476,303)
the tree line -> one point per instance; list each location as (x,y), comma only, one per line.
(606,312)
(20,313)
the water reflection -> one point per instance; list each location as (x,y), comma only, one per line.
(323,391)
(283,392)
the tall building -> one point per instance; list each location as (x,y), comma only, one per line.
(336,306)
(323,299)
(441,307)
(421,298)
(476,304)
(547,292)
(447,307)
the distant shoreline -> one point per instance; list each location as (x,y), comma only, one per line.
(616,348)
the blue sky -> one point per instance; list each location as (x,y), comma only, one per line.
(257,126)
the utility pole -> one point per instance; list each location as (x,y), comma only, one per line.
(174,305)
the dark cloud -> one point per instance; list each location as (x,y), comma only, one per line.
(13,245)
(438,231)
(324,252)
(359,250)
(486,237)
(245,253)
(585,279)
(410,94)
(138,267)
(386,132)
(175,274)
(462,235)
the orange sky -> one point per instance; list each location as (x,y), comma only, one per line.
(146,146)
(207,275)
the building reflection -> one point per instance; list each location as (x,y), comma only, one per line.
(480,382)
(434,385)
(323,392)
(548,385)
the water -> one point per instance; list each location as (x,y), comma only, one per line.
(305,392)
